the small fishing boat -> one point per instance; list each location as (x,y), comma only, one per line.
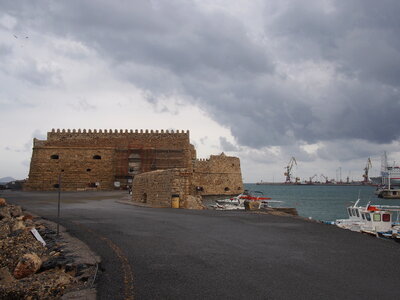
(378,220)
(354,221)
(381,220)
(237,202)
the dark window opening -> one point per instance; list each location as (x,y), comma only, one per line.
(62,170)
(54,156)
(239,188)
(368,216)
(199,188)
(56,185)
(358,215)
(88,170)
(363,216)
(227,189)
(144,198)
(97,157)
(233,165)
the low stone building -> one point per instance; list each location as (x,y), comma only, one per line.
(218,175)
(156,188)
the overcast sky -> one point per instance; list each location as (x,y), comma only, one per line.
(262,80)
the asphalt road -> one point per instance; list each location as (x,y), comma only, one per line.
(181,254)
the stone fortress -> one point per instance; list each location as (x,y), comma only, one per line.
(156,164)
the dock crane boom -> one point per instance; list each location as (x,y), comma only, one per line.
(288,168)
(366,170)
(311,178)
(325,177)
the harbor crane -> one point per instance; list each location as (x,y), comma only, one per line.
(325,177)
(311,178)
(288,168)
(366,170)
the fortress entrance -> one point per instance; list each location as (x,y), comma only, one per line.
(134,164)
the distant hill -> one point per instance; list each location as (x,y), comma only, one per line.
(6,179)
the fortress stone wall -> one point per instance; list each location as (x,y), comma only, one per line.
(156,164)
(218,175)
(104,159)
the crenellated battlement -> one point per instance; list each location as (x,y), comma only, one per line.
(57,134)
(202,159)
(116,131)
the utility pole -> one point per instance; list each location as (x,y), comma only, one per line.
(58,204)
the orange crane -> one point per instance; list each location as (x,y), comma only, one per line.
(288,168)
(366,171)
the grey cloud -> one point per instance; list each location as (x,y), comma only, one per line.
(5,50)
(227,146)
(209,59)
(82,105)
(203,140)
(360,37)
(345,150)
(32,71)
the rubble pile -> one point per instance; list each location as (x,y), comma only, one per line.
(28,269)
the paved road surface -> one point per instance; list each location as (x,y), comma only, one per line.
(180,254)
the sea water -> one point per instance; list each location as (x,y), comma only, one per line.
(321,202)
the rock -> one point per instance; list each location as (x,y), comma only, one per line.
(27,266)
(252,205)
(4,212)
(4,230)
(13,247)
(3,202)
(18,225)
(27,217)
(6,277)
(193,202)
(45,285)
(15,211)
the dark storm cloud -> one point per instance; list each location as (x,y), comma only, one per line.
(226,145)
(209,59)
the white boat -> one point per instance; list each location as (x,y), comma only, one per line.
(354,221)
(381,220)
(237,202)
(378,220)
